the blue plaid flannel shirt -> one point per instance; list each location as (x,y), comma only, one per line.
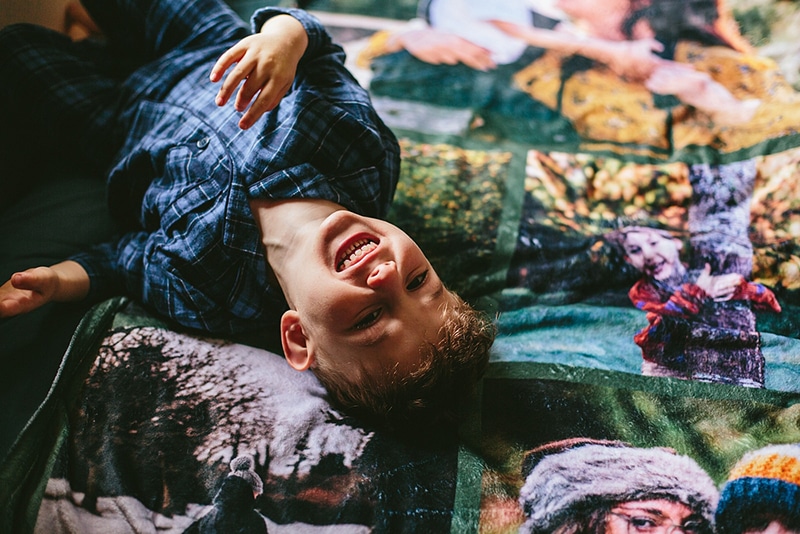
(186,171)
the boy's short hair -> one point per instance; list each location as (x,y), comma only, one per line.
(430,396)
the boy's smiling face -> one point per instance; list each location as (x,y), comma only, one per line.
(652,253)
(362,292)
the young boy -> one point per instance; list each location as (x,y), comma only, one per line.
(690,334)
(300,180)
(656,254)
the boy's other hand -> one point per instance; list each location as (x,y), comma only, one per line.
(27,290)
(30,289)
(266,62)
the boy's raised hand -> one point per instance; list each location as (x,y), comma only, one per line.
(266,62)
(27,290)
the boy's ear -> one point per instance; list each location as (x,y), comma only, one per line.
(294,342)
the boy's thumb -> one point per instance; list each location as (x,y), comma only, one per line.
(26,280)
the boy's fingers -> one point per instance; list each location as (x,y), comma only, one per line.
(264,102)
(8,308)
(17,302)
(30,280)
(240,76)
(238,73)
(219,68)
(247,91)
(253,113)
(269,97)
(19,305)
(229,85)
(228,58)
(267,91)
(23,280)
(37,279)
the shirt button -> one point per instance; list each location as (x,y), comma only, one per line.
(202,143)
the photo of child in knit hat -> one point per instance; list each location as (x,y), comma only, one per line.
(762,493)
(582,454)
(595,486)
(694,331)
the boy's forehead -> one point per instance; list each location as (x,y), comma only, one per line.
(646,232)
(639,230)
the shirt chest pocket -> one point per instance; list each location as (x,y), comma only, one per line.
(191,187)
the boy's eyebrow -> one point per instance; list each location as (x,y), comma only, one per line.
(644,509)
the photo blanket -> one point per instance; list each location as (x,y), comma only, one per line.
(636,242)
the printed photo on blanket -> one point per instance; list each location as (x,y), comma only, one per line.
(615,183)
(579,448)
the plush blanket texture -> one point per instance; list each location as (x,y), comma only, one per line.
(523,206)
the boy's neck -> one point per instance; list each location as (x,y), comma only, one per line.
(282,223)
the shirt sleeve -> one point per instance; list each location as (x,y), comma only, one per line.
(123,267)
(100,263)
(318,37)
(140,265)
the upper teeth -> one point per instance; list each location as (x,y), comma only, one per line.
(355,251)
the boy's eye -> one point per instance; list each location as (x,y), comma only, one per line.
(642,523)
(417,281)
(368,320)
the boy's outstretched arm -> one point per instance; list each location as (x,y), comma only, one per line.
(30,289)
(266,62)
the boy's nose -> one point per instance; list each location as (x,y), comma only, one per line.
(382,275)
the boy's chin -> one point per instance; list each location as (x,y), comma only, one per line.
(673,278)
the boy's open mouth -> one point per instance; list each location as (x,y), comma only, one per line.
(653,269)
(355,252)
